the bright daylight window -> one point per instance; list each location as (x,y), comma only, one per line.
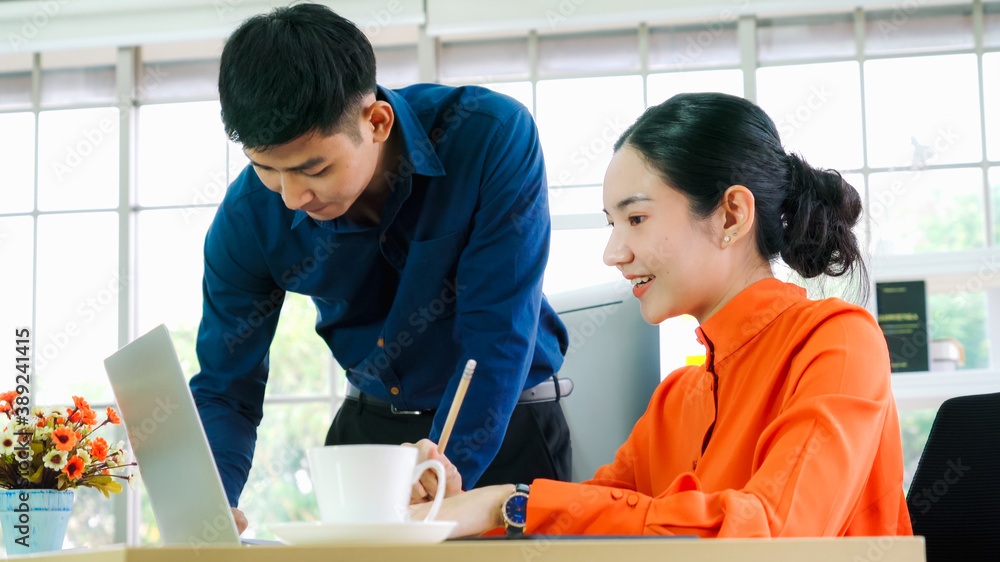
(905,108)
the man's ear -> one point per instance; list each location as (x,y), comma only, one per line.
(737,213)
(380,117)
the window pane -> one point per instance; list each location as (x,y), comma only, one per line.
(661,87)
(994,178)
(713,44)
(991,89)
(178,80)
(484,60)
(927,211)
(16,242)
(521,91)
(301,362)
(915,426)
(830,35)
(78,159)
(17,145)
(991,24)
(922,110)
(397,67)
(913,28)
(278,488)
(65,86)
(576,260)
(579,121)
(169,266)
(181,154)
(15,90)
(592,53)
(78,286)
(961,315)
(817,109)
(576,200)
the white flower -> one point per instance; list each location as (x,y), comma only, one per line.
(8,439)
(42,433)
(56,459)
(38,411)
(83,454)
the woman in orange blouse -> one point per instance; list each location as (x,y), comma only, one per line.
(789,428)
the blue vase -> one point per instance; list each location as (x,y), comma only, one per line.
(34,520)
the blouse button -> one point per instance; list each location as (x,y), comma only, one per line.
(394,390)
(632,500)
(617,494)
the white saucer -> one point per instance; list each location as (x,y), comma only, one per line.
(316,532)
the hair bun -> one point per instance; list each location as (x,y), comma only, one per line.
(819,213)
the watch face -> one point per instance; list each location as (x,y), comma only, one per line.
(516,509)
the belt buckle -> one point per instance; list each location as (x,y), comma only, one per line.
(405,412)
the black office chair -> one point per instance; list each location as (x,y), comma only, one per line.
(954,499)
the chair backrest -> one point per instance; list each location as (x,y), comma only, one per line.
(954,499)
(614,362)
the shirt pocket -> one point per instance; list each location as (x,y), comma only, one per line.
(428,278)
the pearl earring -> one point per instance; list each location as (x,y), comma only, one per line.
(726,240)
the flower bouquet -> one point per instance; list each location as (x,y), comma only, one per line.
(51,450)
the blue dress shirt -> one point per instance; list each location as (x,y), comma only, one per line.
(453,272)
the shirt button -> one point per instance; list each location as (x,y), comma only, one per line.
(617,494)
(394,390)
(381,342)
(632,500)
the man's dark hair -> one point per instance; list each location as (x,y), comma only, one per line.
(297,69)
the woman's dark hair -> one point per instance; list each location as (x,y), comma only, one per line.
(701,144)
(297,69)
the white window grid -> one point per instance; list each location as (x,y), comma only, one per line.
(913,391)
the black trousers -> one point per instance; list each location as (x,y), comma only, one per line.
(537,443)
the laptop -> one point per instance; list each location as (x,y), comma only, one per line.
(169,443)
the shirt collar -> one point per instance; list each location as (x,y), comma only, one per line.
(746,315)
(417,154)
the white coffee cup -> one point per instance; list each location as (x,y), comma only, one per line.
(368,483)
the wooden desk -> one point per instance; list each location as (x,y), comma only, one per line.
(877,549)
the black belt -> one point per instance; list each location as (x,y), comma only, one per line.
(542,392)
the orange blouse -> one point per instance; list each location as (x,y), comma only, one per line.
(789,429)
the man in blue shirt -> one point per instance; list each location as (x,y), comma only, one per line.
(418,222)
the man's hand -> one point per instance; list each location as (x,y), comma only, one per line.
(241,520)
(425,488)
(476,511)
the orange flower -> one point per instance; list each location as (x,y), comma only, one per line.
(74,468)
(99,448)
(64,438)
(73,415)
(8,396)
(42,420)
(88,416)
(80,403)
(4,406)
(113,416)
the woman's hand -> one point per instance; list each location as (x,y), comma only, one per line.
(476,511)
(425,488)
